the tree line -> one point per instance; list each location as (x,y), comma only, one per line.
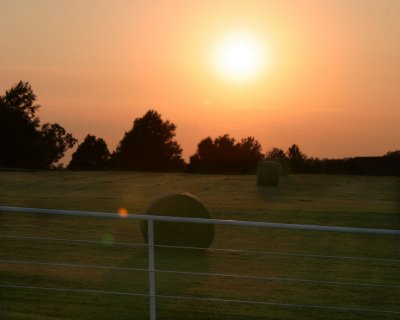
(150,145)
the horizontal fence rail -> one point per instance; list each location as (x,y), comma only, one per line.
(152,270)
(150,217)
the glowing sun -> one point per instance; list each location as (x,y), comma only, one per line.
(239,57)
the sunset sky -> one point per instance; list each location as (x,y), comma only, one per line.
(322,74)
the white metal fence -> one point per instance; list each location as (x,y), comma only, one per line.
(151,268)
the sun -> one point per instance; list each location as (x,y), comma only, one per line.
(240,56)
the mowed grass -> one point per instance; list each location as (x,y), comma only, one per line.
(353,201)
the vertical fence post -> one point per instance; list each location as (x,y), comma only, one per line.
(150,244)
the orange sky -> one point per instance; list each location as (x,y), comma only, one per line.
(329,83)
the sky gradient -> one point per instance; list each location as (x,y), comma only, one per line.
(329,79)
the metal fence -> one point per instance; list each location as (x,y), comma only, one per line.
(151,256)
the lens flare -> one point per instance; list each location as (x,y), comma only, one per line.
(122,212)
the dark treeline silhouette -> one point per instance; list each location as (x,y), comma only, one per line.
(377,166)
(24,143)
(225,155)
(150,145)
(387,165)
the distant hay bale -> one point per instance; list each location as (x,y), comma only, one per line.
(268,173)
(284,166)
(180,204)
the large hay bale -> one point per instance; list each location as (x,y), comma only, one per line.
(180,204)
(268,173)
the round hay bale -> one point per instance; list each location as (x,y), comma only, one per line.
(268,173)
(180,204)
(284,166)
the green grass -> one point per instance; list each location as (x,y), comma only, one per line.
(325,200)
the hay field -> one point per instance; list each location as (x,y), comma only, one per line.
(325,200)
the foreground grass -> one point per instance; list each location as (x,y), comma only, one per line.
(326,200)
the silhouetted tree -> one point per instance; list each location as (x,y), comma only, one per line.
(23,143)
(278,155)
(393,154)
(21,98)
(296,158)
(225,155)
(54,141)
(92,154)
(149,146)
(250,154)
(215,156)
(275,154)
(204,159)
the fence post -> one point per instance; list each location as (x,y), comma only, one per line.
(150,244)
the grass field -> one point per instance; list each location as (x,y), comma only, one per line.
(322,200)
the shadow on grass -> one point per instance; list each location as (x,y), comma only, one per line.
(168,282)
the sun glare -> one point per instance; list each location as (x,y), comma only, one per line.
(240,57)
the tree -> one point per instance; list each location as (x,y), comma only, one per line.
(204,159)
(215,156)
(276,154)
(18,125)
(55,141)
(92,154)
(225,155)
(23,143)
(250,154)
(21,98)
(296,158)
(149,146)
(393,154)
